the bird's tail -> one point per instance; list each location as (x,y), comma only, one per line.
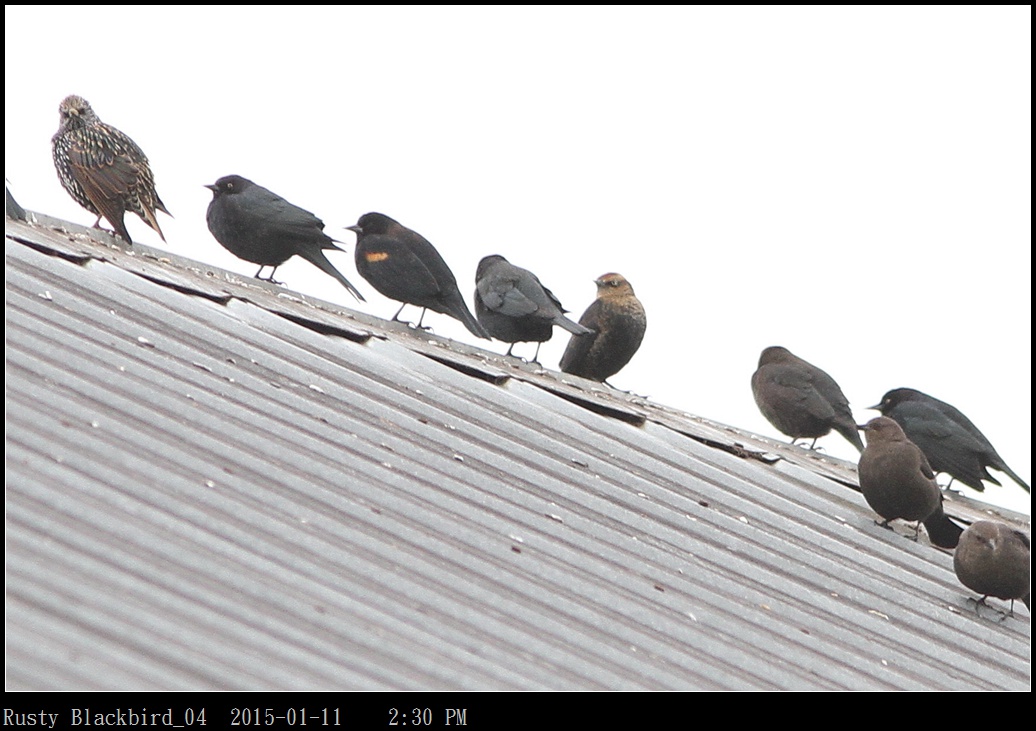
(315,257)
(1013,475)
(573,327)
(942,531)
(460,311)
(850,431)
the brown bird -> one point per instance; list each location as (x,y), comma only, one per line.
(993,559)
(515,307)
(618,322)
(103,169)
(801,400)
(897,482)
(403,265)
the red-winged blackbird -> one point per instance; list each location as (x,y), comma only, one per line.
(947,437)
(259,226)
(801,400)
(513,306)
(618,323)
(103,169)
(993,559)
(897,482)
(404,266)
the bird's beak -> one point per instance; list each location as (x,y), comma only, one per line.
(875,407)
(862,427)
(212,187)
(355,229)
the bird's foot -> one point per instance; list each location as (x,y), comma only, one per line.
(1001,616)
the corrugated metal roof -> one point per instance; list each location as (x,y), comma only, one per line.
(216,483)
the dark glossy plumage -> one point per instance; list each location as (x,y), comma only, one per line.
(897,482)
(259,226)
(103,169)
(949,440)
(618,322)
(513,306)
(993,559)
(801,400)
(404,266)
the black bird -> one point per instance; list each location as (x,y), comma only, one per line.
(897,482)
(947,437)
(103,169)
(801,400)
(259,226)
(993,559)
(513,306)
(618,322)
(404,266)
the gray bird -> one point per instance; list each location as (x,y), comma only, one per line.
(618,322)
(403,265)
(897,482)
(259,226)
(103,169)
(993,559)
(513,306)
(801,400)
(947,437)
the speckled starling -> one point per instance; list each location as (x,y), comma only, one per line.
(515,307)
(947,437)
(404,266)
(801,400)
(103,169)
(259,226)
(618,323)
(897,482)
(993,559)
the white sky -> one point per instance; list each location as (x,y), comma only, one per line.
(851,183)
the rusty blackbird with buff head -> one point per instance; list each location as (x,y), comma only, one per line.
(618,322)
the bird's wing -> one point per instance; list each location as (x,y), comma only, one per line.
(400,274)
(796,387)
(500,294)
(106,174)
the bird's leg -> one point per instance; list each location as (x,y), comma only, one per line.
(270,278)
(509,350)
(395,317)
(420,321)
(982,603)
(97,223)
(917,530)
(884,525)
(536,356)
(814,444)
